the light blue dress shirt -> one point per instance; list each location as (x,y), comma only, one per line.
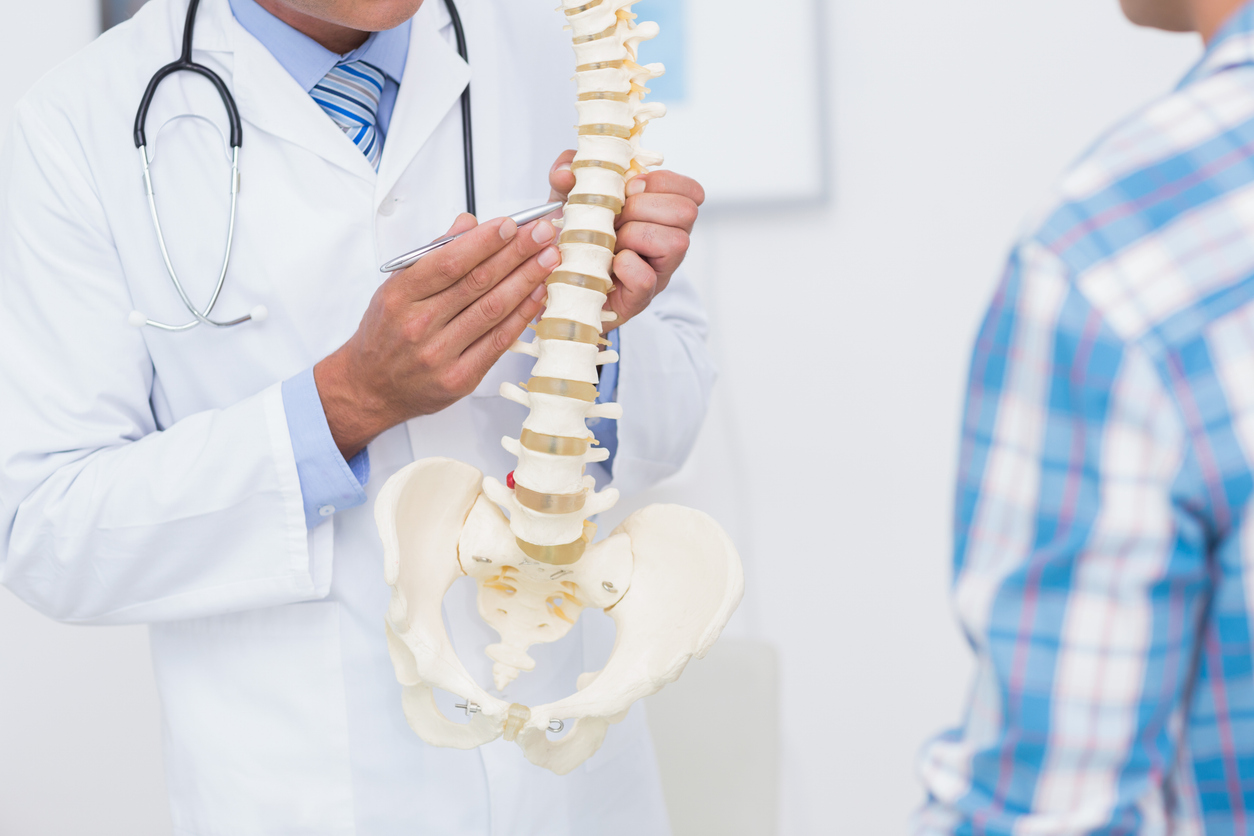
(308,61)
(328,483)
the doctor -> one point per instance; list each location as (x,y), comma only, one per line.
(218,483)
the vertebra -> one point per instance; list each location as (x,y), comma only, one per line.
(553,497)
(668,576)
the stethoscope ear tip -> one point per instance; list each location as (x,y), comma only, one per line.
(259,313)
(137,319)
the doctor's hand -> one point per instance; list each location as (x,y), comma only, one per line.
(652,230)
(433,330)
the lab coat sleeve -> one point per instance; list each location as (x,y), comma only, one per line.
(104,517)
(665,376)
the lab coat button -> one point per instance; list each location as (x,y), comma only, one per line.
(326,510)
(388,208)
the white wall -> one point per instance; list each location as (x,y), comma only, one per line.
(843,335)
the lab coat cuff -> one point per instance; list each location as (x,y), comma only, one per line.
(328,483)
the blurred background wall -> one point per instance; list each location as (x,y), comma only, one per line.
(842,327)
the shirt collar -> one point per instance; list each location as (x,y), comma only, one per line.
(308,61)
(1232,46)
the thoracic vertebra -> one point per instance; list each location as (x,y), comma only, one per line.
(552,497)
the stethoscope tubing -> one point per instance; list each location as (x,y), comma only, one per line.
(201,316)
(186,64)
(468,144)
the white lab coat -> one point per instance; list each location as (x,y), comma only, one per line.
(149,477)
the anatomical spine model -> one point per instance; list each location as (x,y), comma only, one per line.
(668,576)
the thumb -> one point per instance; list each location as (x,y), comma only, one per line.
(561,178)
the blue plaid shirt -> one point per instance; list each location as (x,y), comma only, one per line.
(1104,537)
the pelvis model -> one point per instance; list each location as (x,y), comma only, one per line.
(668,576)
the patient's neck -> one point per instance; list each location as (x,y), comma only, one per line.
(1209,16)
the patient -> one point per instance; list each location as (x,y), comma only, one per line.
(1104,532)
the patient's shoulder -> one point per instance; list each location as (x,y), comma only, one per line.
(1159,213)
(1189,130)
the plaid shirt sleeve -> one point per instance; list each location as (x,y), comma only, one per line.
(1080,574)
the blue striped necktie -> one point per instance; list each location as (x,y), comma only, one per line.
(350,96)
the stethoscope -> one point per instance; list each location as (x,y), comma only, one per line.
(185,63)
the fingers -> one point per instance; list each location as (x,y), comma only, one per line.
(493,307)
(480,355)
(561,178)
(664,247)
(665,209)
(465,222)
(658,217)
(668,182)
(636,282)
(447,265)
(484,277)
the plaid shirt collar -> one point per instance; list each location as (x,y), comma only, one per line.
(1232,46)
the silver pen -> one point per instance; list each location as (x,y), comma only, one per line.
(524,217)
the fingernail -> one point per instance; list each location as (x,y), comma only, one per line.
(542,233)
(508,229)
(539,294)
(636,186)
(549,257)
(563,167)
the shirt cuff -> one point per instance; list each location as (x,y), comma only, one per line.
(327,482)
(606,429)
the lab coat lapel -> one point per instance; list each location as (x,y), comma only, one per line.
(270,100)
(435,76)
